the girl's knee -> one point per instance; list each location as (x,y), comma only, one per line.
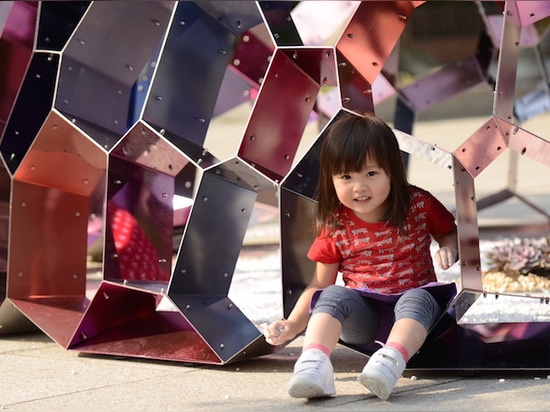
(418,304)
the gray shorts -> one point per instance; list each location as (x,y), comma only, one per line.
(365,319)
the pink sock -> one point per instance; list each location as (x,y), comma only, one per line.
(401,349)
(319,346)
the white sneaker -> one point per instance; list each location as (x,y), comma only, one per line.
(382,371)
(313,376)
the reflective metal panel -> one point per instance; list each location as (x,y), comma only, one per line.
(224,201)
(189,74)
(372,33)
(34,102)
(468,231)
(451,80)
(484,146)
(17,23)
(47,271)
(279,117)
(58,20)
(507,67)
(355,91)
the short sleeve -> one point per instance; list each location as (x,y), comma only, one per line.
(323,250)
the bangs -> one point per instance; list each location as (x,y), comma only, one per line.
(351,156)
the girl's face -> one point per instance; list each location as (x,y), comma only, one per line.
(364,192)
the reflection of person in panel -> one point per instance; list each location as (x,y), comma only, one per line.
(375,229)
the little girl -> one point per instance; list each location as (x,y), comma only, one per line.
(375,229)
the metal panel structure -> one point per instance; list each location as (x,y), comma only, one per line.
(104,112)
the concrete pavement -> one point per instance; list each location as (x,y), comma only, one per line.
(37,374)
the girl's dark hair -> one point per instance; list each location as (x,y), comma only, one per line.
(346,145)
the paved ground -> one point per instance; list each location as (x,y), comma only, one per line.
(37,374)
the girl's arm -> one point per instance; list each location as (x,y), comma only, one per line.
(280,331)
(447,254)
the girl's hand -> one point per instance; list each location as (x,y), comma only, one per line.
(446,257)
(279,332)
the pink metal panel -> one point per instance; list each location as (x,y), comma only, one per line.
(140,209)
(59,147)
(507,69)
(279,117)
(251,55)
(57,316)
(484,146)
(468,231)
(524,13)
(372,34)
(51,199)
(526,143)
(139,236)
(355,90)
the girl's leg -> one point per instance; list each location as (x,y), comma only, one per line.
(338,311)
(415,313)
(341,312)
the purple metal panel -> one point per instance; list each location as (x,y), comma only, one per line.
(159,335)
(188,75)
(112,51)
(279,117)
(16,42)
(277,16)
(297,235)
(451,80)
(128,322)
(36,97)
(237,16)
(57,23)
(372,34)
(234,91)
(224,200)
(99,70)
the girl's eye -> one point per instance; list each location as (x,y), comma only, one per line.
(370,174)
(346,177)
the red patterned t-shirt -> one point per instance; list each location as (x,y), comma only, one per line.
(370,254)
